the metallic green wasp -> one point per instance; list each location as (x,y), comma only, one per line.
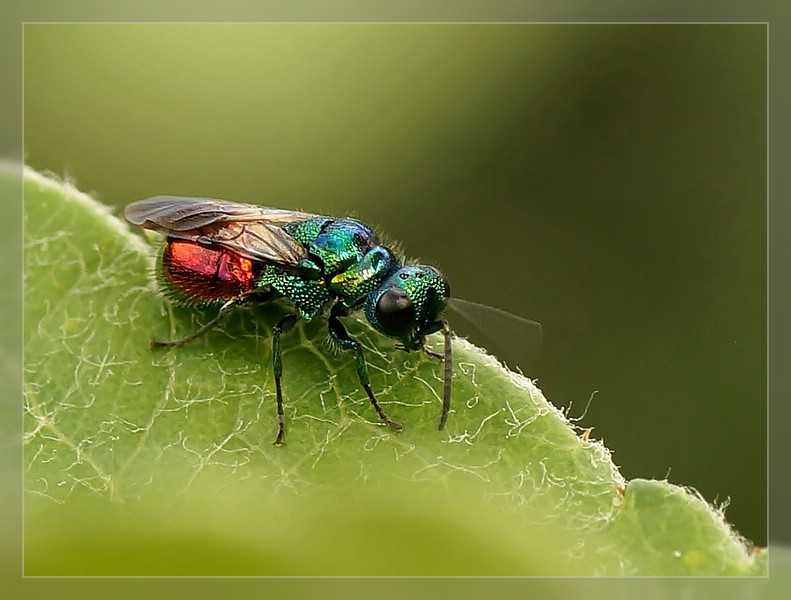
(219,252)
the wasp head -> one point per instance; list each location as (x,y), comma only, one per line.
(408,303)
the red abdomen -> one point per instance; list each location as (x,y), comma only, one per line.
(202,274)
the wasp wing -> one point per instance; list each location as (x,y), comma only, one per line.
(179,213)
(252,231)
(513,339)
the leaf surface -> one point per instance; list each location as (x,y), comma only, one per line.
(144,462)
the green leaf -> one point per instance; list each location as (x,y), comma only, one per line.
(145,462)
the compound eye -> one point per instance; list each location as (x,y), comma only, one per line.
(395,313)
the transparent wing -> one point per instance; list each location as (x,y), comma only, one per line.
(513,339)
(252,231)
(179,213)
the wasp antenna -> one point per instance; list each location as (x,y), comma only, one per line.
(448,360)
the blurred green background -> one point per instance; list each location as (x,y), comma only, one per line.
(605,180)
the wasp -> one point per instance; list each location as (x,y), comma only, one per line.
(228,254)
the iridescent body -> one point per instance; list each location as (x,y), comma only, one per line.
(202,275)
(345,261)
(220,252)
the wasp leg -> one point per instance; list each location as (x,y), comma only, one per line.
(421,345)
(224,310)
(446,358)
(260,297)
(436,355)
(284,325)
(340,335)
(448,379)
